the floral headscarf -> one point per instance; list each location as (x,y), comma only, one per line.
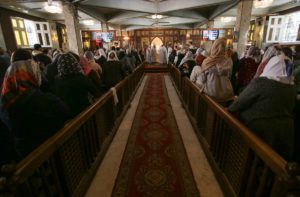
(21,77)
(68,65)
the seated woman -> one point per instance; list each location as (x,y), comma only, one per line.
(71,85)
(34,116)
(247,68)
(187,64)
(214,78)
(266,104)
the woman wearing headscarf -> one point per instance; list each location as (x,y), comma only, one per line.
(100,56)
(247,68)
(95,66)
(34,116)
(113,71)
(214,79)
(200,56)
(72,86)
(179,57)
(90,73)
(266,104)
(187,64)
(270,52)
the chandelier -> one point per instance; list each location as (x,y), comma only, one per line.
(262,3)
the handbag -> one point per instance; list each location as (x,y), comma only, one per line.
(216,85)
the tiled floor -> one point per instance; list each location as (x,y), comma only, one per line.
(104,180)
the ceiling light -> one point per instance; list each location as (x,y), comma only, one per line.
(262,3)
(156,16)
(88,22)
(226,19)
(53,8)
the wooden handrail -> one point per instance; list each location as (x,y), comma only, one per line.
(226,139)
(45,150)
(264,151)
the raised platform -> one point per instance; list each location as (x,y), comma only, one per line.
(156,67)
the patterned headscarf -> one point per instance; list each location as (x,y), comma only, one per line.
(68,65)
(21,77)
(270,52)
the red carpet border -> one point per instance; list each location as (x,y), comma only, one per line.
(155,163)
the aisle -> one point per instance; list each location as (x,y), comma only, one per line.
(106,176)
(155,162)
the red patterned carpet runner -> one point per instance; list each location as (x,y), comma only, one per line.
(155,163)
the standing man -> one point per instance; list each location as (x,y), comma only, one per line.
(163,54)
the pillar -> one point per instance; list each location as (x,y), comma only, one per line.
(242,25)
(210,24)
(73,30)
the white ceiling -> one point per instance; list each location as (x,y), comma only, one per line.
(136,14)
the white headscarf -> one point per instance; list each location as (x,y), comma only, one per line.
(276,69)
(112,59)
(101,53)
(188,56)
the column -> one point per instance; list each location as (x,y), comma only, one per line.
(242,25)
(73,30)
(210,24)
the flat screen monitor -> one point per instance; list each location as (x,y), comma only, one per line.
(213,34)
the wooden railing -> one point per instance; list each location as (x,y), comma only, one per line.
(244,165)
(65,164)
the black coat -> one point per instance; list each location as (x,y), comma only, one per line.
(113,73)
(74,91)
(34,118)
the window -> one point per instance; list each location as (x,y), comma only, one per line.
(20,32)
(283,28)
(43,33)
(274,28)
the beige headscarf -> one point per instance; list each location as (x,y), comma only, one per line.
(217,54)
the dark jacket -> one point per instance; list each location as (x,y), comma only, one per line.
(74,91)
(266,107)
(113,73)
(34,118)
(7,149)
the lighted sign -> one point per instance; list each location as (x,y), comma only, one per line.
(213,34)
